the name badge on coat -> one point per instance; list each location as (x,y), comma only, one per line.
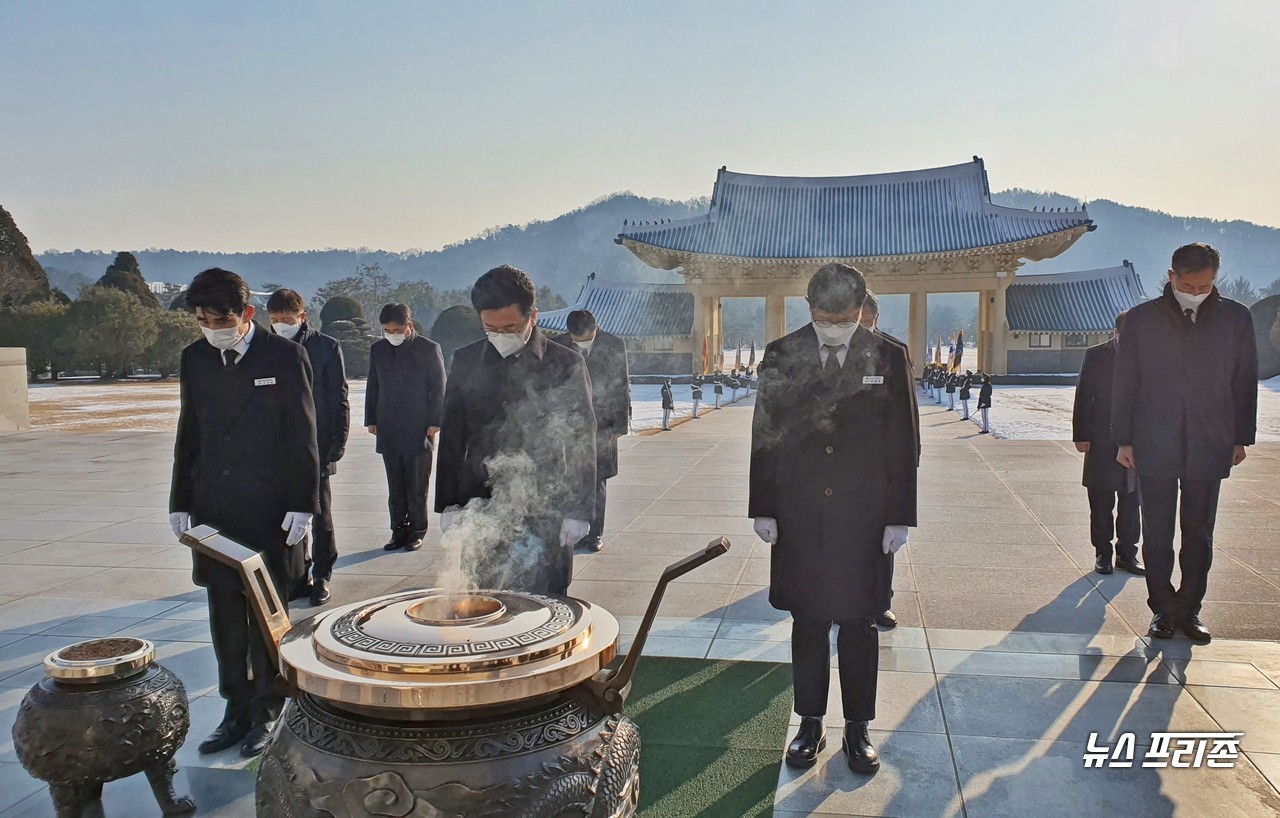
(872,379)
(264,382)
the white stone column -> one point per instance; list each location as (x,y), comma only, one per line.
(775,317)
(918,327)
(999,330)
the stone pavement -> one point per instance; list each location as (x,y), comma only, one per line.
(1010,652)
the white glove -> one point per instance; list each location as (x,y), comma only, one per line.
(298,524)
(180,522)
(767,529)
(571,531)
(895,536)
(448,519)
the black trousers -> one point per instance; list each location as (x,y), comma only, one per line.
(408,477)
(324,548)
(1199,512)
(858,648)
(1123,528)
(597,522)
(239,647)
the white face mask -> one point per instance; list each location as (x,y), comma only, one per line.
(835,335)
(395,338)
(223,339)
(585,346)
(509,343)
(287,331)
(1189,301)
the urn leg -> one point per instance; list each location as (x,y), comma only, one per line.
(69,799)
(161,779)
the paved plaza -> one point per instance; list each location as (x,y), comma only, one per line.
(1010,651)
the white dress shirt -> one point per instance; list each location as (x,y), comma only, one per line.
(841,353)
(241,347)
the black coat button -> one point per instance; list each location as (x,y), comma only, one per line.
(830,449)
(226,472)
(828,492)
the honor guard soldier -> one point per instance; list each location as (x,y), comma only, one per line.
(984,403)
(833,490)
(245,463)
(966,391)
(606,357)
(288,314)
(1184,407)
(695,387)
(668,405)
(718,380)
(1104,478)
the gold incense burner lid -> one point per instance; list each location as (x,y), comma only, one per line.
(97,660)
(439,650)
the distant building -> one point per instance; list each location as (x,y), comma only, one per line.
(1053,318)
(654,320)
(912,232)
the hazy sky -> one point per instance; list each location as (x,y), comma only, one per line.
(229,126)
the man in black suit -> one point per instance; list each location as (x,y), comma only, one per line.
(833,490)
(1185,406)
(870,320)
(404,408)
(606,357)
(288,313)
(1104,478)
(245,463)
(517,449)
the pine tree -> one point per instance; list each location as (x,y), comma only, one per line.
(124,275)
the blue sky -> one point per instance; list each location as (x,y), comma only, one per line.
(237,126)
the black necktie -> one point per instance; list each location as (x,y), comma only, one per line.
(230,356)
(833,360)
(1191,314)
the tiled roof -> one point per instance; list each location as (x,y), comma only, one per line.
(1083,301)
(892,214)
(630,310)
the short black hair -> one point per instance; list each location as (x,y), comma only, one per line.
(220,291)
(394,314)
(1192,258)
(286,301)
(580,322)
(1120,319)
(837,287)
(503,286)
(872,305)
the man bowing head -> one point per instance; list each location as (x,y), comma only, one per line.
(833,490)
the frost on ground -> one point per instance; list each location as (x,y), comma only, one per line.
(1044,412)
(152,406)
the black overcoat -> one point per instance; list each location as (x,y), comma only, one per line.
(966,385)
(329,387)
(610,395)
(952,380)
(984,395)
(1185,393)
(246,451)
(535,403)
(668,399)
(915,407)
(833,460)
(405,393)
(1091,420)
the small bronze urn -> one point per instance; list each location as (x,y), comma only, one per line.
(105,711)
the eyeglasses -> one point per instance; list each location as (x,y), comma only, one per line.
(840,324)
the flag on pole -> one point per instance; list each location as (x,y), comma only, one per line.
(937,352)
(706,359)
(752,360)
(959,351)
(737,356)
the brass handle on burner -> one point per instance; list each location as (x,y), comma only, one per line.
(609,687)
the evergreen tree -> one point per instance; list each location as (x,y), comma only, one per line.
(455,328)
(109,331)
(174,332)
(124,275)
(39,327)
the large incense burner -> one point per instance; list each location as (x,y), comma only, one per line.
(434,703)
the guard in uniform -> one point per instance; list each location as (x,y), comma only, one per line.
(1104,478)
(245,463)
(668,405)
(966,391)
(833,490)
(606,357)
(718,380)
(1184,407)
(984,403)
(696,387)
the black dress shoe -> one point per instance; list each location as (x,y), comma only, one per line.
(395,543)
(595,544)
(1161,627)
(225,735)
(1195,629)
(863,757)
(1132,566)
(811,740)
(257,739)
(320,592)
(1102,564)
(887,620)
(414,543)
